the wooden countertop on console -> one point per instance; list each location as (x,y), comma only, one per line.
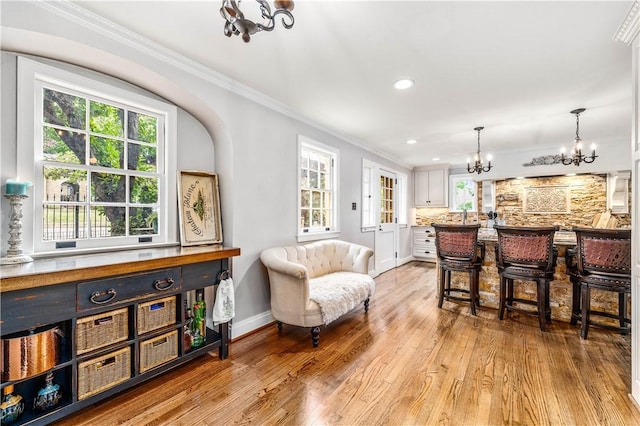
(64,269)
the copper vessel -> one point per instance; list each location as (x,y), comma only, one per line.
(27,354)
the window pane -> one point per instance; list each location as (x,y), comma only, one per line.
(326,217)
(143,190)
(313,179)
(107,221)
(63,222)
(142,157)
(304,159)
(305,197)
(315,217)
(313,161)
(325,163)
(63,109)
(62,184)
(106,152)
(108,188)
(143,221)
(63,146)
(326,200)
(106,119)
(304,178)
(304,219)
(315,200)
(142,127)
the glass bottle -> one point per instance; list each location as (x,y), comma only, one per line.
(198,325)
(12,406)
(186,329)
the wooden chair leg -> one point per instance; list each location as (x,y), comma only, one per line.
(477,295)
(279,325)
(542,304)
(472,292)
(366,305)
(622,308)
(547,298)
(441,287)
(503,293)
(575,303)
(586,305)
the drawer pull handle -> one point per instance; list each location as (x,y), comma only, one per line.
(163,285)
(96,294)
(427,252)
(427,241)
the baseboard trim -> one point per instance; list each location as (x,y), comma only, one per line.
(246,326)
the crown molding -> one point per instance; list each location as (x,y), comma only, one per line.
(630,26)
(120,34)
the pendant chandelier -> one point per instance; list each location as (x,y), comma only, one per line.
(576,156)
(478,166)
(237,24)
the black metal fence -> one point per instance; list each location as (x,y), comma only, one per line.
(66,219)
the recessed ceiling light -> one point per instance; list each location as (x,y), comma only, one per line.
(435,159)
(412,141)
(403,84)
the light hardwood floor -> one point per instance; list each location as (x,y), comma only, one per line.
(406,362)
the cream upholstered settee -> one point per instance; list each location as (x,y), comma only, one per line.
(316,283)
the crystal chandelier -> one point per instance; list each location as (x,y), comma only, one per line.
(237,24)
(576,156)
(478,166)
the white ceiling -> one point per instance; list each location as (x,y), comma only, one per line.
(516,68)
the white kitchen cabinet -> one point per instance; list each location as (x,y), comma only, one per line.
(431,187)
(423,244)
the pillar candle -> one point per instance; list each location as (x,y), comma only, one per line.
(15,187)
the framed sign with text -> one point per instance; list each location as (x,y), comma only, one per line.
(199,208)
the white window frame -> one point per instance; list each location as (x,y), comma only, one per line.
(453,180)
(31,76)
(312,234)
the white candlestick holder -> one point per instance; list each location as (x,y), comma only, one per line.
(14,253)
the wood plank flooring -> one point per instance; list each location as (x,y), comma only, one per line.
(406,362)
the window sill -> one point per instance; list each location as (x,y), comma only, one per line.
(303,238)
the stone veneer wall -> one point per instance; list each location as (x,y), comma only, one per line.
(588,197)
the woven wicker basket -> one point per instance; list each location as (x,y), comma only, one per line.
(156,314)
(158,350)
(104,372)
(101,330)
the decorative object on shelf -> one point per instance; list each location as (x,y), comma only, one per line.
(49,396)
(12,406)
(478,166)
(31,352)
(186,328)
(237,24)
(544,160)
(15,192)
(199,208)
(577,156)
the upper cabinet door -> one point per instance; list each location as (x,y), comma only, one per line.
(430,187)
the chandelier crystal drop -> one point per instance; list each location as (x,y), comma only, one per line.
(478,166)
(237,24)
(576,156)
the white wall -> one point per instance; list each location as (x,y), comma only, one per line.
(249,142)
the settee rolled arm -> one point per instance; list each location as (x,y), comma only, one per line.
(276,260)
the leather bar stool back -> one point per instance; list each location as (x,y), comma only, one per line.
(602,261)
(525,254)
(458,250)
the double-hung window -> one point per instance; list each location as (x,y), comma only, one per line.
(463,194)
(317,190)
(100,159)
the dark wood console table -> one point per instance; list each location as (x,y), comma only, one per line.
(138,296)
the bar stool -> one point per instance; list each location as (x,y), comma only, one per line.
(602,260)
(458,249)
(526,254)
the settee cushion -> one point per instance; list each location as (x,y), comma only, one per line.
(339,292)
